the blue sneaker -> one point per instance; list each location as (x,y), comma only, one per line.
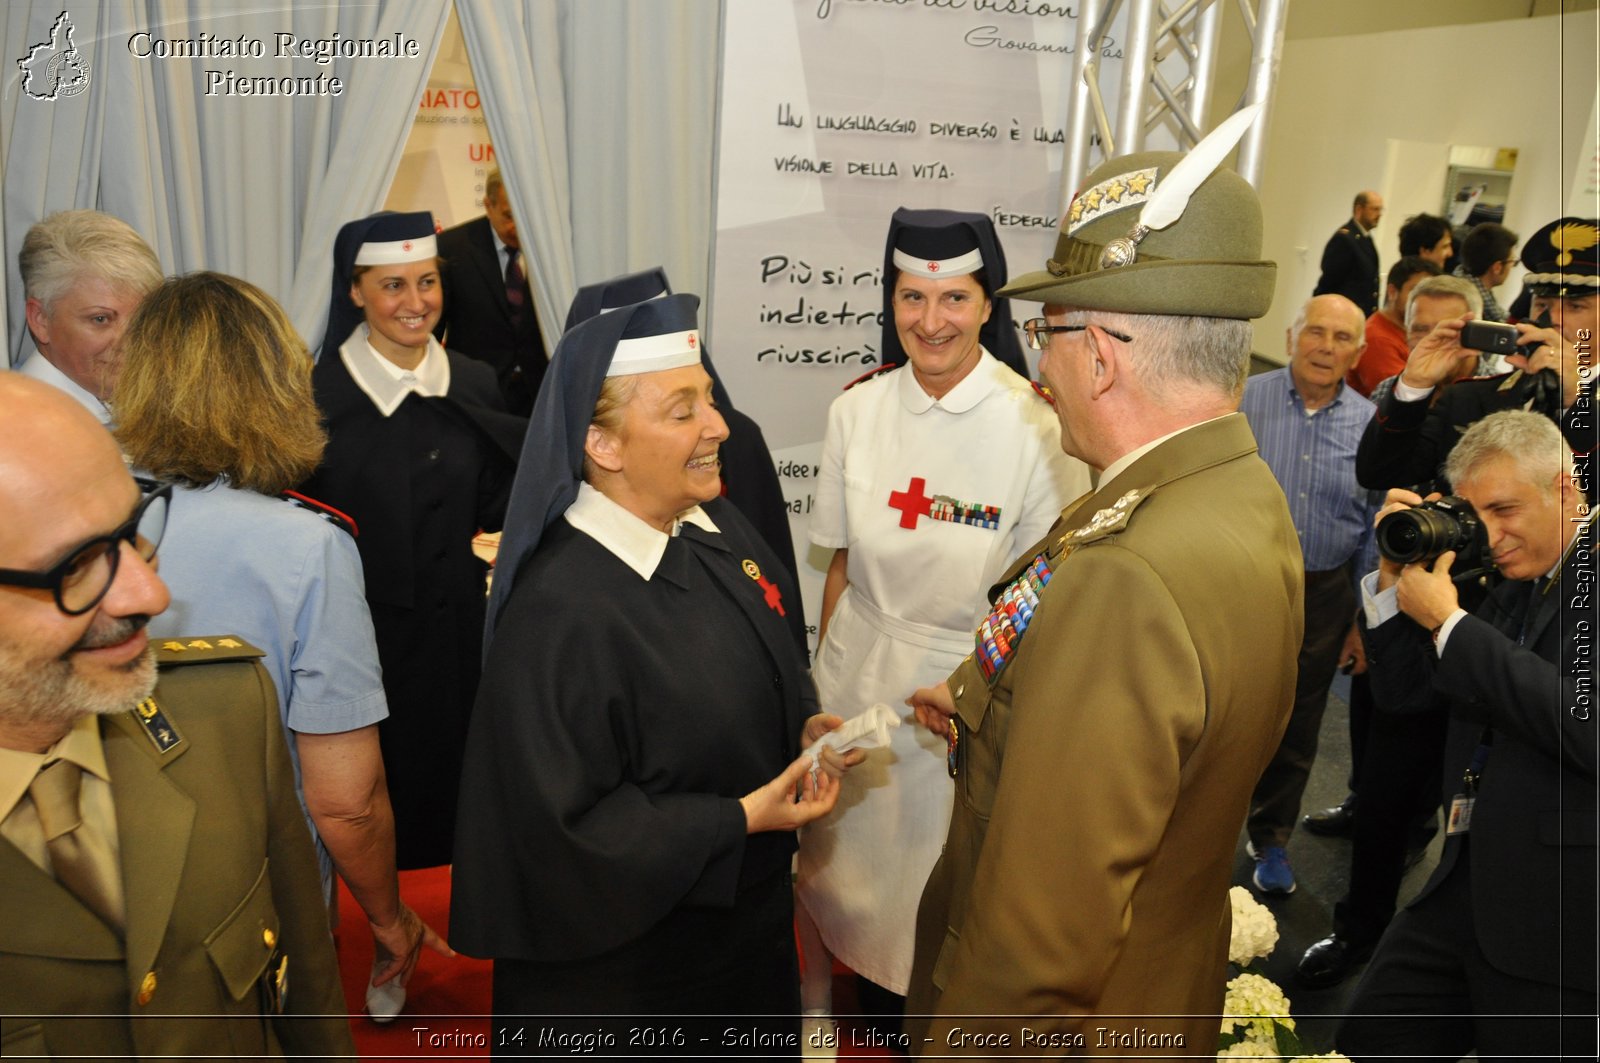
(1273,873)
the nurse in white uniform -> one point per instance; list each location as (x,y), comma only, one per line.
(935,476)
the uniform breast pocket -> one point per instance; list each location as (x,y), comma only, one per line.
(245,946)
(974,754)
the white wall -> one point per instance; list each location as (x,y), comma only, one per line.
(1380,111)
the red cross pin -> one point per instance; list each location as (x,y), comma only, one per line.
(770,591)
(912,503)
(933,267)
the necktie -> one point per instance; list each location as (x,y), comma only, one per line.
(516,284)
(81,859)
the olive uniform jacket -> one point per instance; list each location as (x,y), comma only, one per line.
(1102,779)
(221,884)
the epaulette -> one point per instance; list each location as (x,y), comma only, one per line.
(870,373)
(204,649)
(343,521)
(1510,380)
(172,653)
(1043,392)
(1106,521)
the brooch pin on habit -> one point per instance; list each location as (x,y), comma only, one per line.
(1171,195)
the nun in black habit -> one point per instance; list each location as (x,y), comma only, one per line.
(632,784)
(420,456)
(999,334)
(748,479)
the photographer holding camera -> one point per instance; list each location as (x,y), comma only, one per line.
(1409,438)
(1497,952)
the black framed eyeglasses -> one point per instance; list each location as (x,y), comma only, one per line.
(1039,331)
(79,580)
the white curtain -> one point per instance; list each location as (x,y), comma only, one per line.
(252,186)
(603,116)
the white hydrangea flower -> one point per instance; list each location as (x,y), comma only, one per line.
(1255,931)
(1250,1050)
(1254,1006)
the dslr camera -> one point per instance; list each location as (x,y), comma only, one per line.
(1423,532)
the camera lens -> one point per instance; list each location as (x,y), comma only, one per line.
(1398,539)
(1404,536)
(1423,533)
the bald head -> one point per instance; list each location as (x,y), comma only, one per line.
(1325,342)
(66,495)
(47,436)
(1368,208)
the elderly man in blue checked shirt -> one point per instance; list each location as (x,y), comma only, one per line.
(1307,424)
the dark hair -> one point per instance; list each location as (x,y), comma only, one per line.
(1409,267)
(1488,242)
(1421,232)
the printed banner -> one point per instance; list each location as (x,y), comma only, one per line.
(834,113)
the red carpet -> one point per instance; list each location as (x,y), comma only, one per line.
(447,1001)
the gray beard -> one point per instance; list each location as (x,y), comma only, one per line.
(56,696)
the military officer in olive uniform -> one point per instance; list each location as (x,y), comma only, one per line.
(1137,668)
(161,894)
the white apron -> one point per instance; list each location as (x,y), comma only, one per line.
(920,563)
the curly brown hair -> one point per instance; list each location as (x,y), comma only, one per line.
(216,383)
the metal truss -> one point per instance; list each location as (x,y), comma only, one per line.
(1168,64)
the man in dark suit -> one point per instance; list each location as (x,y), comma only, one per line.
(1350,261)
(162,898)
(488,304)
(1497,954)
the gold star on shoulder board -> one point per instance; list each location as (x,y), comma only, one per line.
(1114,191)
(1138,183)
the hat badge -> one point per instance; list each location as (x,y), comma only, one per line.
(1124,250)
(1570,238)
(691,341)
(933,267)
(1170,196)
(406,246)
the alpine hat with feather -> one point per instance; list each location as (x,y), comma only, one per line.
(1161,232)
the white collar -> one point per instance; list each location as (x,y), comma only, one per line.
(635,543)
(500,247)
(44,370)
(973,388)
(1117,467)
(385,383)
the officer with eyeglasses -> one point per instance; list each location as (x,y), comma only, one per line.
(160,886)
(1137,664)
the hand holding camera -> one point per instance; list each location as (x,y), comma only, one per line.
(1419,542)
(1438,356)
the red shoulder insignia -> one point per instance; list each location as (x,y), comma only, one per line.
(869,374)
(343,521)
(1043,392)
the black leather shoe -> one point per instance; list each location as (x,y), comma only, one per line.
(1329,961)
(1335,822)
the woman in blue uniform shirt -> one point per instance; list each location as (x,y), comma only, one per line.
(215,395)
(629,805)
